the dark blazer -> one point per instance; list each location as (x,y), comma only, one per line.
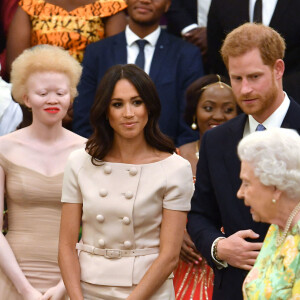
(225,15)
(175,65)
(181,14)
(215,203)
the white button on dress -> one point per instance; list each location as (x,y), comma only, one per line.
(127,244)
(100,218)
(128,195)
(133,171)
(107,169)
(103,192)
(101,243)
(126,221)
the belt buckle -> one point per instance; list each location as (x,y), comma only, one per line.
(112,253)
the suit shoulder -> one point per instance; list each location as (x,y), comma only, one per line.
(179,42)
(104,42)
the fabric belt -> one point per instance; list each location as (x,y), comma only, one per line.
(116,253)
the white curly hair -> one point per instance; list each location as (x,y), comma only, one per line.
(275,156)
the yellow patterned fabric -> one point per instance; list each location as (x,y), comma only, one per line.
(72,30)
(276,273)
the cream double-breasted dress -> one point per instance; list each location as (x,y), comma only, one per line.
(122,210)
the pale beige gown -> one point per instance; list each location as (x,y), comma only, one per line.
(34,210)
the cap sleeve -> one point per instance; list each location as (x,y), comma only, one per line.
(71,190)
(180,185)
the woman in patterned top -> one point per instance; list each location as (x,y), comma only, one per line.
(270,173)
(69,24)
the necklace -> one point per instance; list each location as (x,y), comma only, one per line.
(280,239)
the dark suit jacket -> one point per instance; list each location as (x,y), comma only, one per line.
(215,203)
(225,15)
(175,65)
(181,14)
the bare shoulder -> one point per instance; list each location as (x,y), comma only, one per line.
(11,140)
(75,140)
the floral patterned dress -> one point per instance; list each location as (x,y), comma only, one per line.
(276,273)
(72,30)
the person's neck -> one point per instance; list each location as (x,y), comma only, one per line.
(262,117)
(129,151)
(284,209)
(44,133)
(142,30)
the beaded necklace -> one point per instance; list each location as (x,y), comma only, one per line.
(280,239)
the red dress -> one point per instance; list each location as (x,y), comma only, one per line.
(193,281)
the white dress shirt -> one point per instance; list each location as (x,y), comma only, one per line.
(202,12)
(133,48)
(268,7)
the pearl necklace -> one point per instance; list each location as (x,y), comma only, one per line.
(280,239)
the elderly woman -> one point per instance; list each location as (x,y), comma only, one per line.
(132,193)
(32,161)
(270,174)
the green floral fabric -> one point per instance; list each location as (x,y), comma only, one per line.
(276,273)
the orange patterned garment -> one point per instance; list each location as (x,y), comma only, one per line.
(72,30)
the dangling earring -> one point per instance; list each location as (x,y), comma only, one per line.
(194,125)
(273,201)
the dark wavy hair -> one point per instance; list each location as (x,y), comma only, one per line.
(100,143)
(194,92)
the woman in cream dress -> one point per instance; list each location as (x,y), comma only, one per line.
(132,193)
(32,160)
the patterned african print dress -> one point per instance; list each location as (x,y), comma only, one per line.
(72,30)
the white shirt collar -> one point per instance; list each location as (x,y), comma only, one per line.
(275,120)
(152,38)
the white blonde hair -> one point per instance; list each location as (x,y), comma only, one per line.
(43,58)
(275,156)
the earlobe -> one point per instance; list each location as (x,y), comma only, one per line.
(277,194)
(26,101)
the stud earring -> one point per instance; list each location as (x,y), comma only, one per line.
(273,201)
(194,125)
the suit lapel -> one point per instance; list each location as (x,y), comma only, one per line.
(161,49)
(120,49)
(280,8)
(291,119)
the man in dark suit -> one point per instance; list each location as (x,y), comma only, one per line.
(172,64)
(189,19)
(281,15)
(253,55)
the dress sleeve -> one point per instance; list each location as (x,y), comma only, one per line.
(180,185)
(108,8)
(71,192)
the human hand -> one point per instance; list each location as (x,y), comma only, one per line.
(32,294)
(197,36)
(55,292)
(188,251)
(237,252)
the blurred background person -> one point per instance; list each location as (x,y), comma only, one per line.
(7,11)
(210,102)
(32,161)
(10,111)
(189,20)
(69,24)
(270,174)
(132,193)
